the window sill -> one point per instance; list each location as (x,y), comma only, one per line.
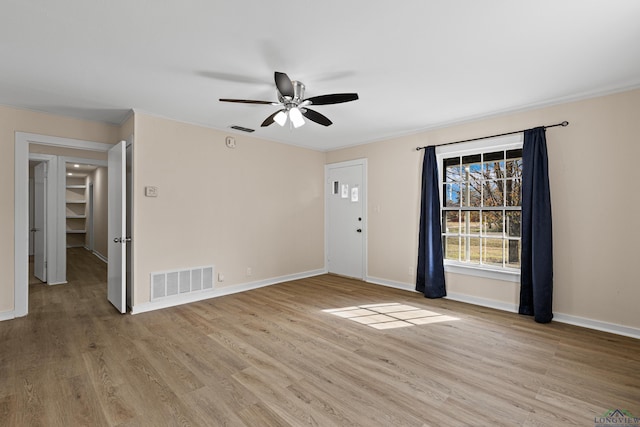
(487,273)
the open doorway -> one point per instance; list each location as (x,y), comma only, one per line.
(82,223)
(84,216)
(86,212)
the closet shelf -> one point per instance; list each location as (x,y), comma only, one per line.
(76,214)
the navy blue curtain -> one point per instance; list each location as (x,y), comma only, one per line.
(430,274)
(536,269)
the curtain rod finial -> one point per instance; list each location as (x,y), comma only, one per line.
(565,123)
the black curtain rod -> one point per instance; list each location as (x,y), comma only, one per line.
(563,124)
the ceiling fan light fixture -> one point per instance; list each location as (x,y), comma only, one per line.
(294,105)
(296,117)
(280,118)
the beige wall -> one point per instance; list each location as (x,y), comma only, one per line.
(126,129)
(16,120)
(595,202)
(259,205)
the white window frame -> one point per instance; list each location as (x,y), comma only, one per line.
(509,142)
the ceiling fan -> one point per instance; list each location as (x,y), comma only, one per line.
(294,106)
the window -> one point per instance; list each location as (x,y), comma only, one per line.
(481,204)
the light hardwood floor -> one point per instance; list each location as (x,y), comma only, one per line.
(273,357)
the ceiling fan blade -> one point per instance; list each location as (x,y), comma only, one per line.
(248,101)
(316,117)
(334,98)
(284,85)
(269,119)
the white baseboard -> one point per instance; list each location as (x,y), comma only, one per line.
(57,283)
(613,328)
(7,315)
(100,256)
(391,284)
(557,317)
(483,302)
(513,308)
(228,290)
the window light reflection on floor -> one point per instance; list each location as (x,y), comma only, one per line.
(389,315)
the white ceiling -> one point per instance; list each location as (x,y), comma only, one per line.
(80,171)
(416,64)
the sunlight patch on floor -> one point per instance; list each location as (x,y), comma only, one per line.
(389,315)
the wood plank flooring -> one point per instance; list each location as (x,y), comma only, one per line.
(272,357)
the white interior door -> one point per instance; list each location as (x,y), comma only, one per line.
(117,252)
(31,207)
(40,221)
(346,219)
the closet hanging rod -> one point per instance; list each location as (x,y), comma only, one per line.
(563,124)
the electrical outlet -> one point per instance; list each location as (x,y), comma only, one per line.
(249,271)
(220,277)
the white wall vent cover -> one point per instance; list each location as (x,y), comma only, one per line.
(180,282)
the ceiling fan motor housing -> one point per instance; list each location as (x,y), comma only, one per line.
(298,95)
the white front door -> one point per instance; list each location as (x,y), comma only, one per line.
(117,251)
(40,221)
(346,222)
